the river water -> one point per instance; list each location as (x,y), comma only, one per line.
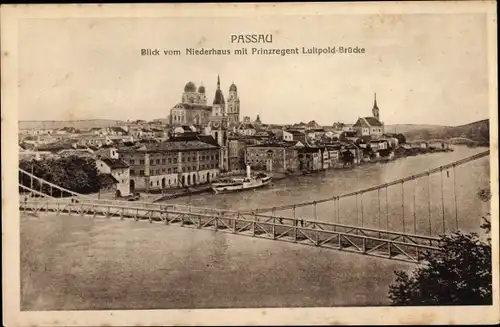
(75,263)
(378,209)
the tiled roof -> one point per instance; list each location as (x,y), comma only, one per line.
(272,145)
(373,121)
(367,122)
(115,163)
(107,179)
(118,129)
(180,144)
(295,132)
(246,126)
(193,106)
(208,139)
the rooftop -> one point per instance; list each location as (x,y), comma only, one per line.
(367,122)
(107,179)
(115,163)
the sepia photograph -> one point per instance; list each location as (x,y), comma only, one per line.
(204,160)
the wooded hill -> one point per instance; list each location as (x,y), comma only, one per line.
(478,131)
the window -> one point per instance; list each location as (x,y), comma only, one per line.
(132,162)
(141,161)
(169,170)
(157,161)
(163,161)
(141,172)
(132,172)
(163,170)
(175,170)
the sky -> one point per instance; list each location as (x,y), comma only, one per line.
(425,69)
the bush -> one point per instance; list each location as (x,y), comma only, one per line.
(458,275)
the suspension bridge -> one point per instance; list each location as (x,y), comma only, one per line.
(398,220)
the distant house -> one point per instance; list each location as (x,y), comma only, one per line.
(246,128)
(350,136)
(369,126)
(119,170)
(83,153)
(377,145)
(298,135)
(93,140)
(107,152)
(310,159)
(107,186)
(437,144)
(283,135)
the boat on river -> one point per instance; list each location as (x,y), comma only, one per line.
(249,182)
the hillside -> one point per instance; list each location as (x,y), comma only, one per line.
(79,124)
(478,131)
(406,128)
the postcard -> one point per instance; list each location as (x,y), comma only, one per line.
(250,164)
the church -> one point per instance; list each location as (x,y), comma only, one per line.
(193,109)
(370,126)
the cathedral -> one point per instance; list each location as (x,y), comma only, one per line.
(193,109)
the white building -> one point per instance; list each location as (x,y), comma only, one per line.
(119,170)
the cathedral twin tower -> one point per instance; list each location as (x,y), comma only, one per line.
(193,109)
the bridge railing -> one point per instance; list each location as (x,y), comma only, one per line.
(398,246)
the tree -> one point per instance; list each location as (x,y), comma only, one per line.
(459,275)
(73,173)
(401,138)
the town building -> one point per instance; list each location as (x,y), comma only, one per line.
(310,159)
(108,187)
(178,162)
(278,157)
(283,135)
(298,135)
(119,170)
(237,152)
(370,126)
(246,128)
(93,140)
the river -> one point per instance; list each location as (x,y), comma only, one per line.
(74,263)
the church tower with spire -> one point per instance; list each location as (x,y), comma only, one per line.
(233,105)
(375,109)
(219,126)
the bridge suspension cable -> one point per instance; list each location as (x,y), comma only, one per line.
(374,188)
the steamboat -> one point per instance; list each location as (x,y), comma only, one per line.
(249,182)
